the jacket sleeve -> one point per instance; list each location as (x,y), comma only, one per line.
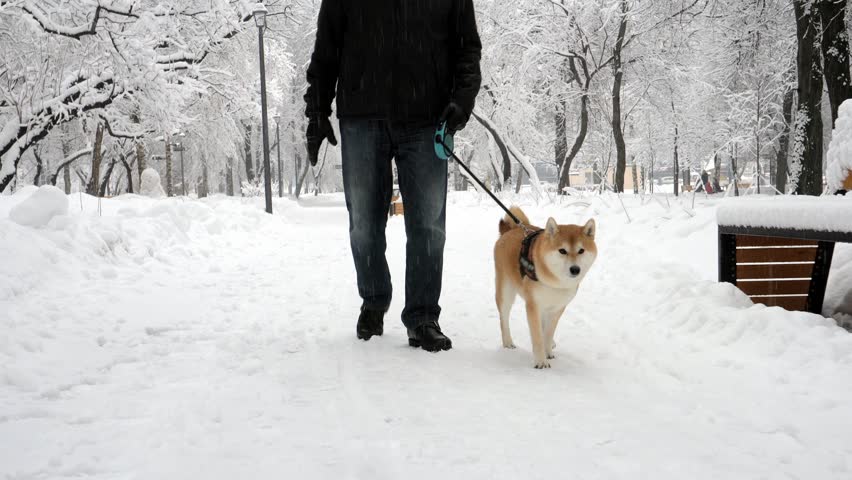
(468,50)
(325,60)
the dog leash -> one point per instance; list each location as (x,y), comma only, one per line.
(448,152)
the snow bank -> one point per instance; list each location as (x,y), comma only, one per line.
(828,213)
(151,185)
(41,206)
(129,232)
(840,149)
(838,293)
(179,338)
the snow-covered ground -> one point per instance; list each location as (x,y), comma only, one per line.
(178,339)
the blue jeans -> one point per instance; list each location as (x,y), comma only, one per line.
(368,147)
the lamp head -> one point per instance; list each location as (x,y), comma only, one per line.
(259,13)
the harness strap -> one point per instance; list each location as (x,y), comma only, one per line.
(526,263)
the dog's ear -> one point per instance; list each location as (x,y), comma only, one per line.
(589,228)
(552,227)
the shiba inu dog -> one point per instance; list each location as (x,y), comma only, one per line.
(545,267)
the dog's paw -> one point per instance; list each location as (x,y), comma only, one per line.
(542,364)
(551,356)
(509,345)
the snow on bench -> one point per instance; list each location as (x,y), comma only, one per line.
(822,214)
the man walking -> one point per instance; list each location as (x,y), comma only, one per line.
(399,67)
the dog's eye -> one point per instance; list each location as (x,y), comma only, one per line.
(581,251)
(563,251)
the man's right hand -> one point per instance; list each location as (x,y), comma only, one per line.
(319,129)
(455,117)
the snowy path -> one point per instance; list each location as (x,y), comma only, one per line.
(209,341)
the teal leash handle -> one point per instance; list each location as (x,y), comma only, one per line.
(443,142)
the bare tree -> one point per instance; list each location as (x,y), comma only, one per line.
(93,187)
(834,41)
(617,129)
(808,129)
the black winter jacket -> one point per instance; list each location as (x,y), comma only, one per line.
(394,59)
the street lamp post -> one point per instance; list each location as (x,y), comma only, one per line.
(260,20)
(277,119)
(182,177)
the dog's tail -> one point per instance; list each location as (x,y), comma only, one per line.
(506,223)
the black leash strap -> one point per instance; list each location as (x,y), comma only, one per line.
(439,139)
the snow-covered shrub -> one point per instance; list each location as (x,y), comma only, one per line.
(151,185)
(249,189)
(840,149)
(37,210)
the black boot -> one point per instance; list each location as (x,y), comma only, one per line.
(429,337)
(370,322)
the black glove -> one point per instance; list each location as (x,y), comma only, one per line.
(455,117)
(319,129)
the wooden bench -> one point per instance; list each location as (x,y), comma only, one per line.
(781,265)
(396,206)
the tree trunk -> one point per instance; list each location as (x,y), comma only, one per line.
(39,167)
(300,179)
(169,183)
(784,144)
(520,179)
(81,177)
(95,178)
(129,172)
(809,180)
(104,189)
(651,172)
(734,170)
(835,52)
(461,180)
(565,169)
(772,169)
(66,177)
(140,158)
(717,172)
(617,128)
(757,141)
(247,150)
(675,162)
(229,177)
(205,185)
(116,188)
(66,151)
(501,145)
(141,165)
(560,145)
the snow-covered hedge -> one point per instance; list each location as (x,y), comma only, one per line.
(840,149)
